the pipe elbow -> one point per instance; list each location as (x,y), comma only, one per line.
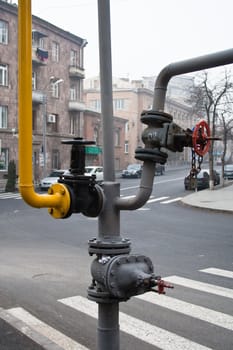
(58,201)
(144,192)
(136,202)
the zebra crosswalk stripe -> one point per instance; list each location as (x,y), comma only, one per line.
(202,313)
(142,330)
(218,272)
(201,286)
(8,195)
(30,322)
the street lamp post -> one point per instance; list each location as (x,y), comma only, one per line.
(54,81)
(44,145)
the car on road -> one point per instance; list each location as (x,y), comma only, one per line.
(98,171)
(159,169)
(228,172)
(203,178)
(132,171)
(53,178)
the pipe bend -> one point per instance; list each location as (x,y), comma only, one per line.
(144,192)
(40,200)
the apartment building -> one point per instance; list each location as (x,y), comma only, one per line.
(59,111)
(130,98)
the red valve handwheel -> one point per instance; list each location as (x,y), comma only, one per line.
(201,138)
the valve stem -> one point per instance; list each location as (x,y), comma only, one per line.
(161,285)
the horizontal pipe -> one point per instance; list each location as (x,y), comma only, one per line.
(26,186)
(40,200)
(216,59)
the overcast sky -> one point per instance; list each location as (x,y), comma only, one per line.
(146,34)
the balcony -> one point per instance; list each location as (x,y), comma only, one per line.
(39,56)
(76,72)
(76,106)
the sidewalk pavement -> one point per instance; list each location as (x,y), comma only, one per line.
(220,199)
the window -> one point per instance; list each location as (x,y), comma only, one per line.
(4,159)
(3,117)
(73,58)
(3,32)
(55,159)
(117,137)
(55,90)
(95,105)
(4,74)
(55,51)
(73,93)
(96,136)
(38,39)
(126,147)
(52,122)
(118,103)
(72,124)
(126,128)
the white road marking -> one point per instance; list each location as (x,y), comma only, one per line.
(132,196)
(139,329)
(218,272)
(144,209)
(171,180)
(159,199)
(156,199)
(201,286)
(47,331)
(172,200)
(214,317)
(8,195)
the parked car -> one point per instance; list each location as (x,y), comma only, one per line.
(159,169)
(53,178)
(98,171)
(202,180)
(228,172)
(133,170)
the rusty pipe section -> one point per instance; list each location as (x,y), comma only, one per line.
(60,199)
(216,59)
(144,192)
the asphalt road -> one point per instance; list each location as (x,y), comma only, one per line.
(45,272)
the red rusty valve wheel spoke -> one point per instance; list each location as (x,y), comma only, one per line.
(201,138)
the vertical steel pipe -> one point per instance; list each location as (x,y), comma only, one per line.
(109,219)
(105,58)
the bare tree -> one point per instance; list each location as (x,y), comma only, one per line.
(211,99)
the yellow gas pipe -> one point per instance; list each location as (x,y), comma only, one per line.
(58,201)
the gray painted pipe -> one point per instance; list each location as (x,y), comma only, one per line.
(216,59)
(144,192)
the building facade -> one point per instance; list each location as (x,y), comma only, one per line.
(59,111)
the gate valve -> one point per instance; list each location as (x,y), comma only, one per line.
(121,277)
(161,285)
(85,194)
